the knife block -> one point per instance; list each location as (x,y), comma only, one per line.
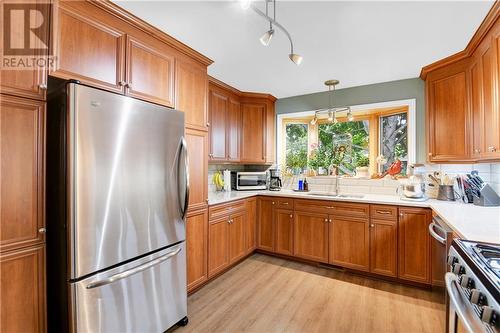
(488,197)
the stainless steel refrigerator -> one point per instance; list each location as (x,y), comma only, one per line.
(117,195)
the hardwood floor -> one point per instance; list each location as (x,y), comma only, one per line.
(268,294)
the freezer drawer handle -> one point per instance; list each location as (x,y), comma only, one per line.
(460,305)
(133,271)
(435,235)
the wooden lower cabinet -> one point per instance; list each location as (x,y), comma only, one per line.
(349,243)
(283,234)
(251,207)
(22,282)
(311,236)
(197,246)
(265,224)
(237,236)
(414,244)
(218,249)
(384,247)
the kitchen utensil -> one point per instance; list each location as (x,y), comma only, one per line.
(446,193)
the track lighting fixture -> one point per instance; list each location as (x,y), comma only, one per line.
(266,38)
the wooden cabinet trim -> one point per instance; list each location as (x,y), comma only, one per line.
(283,231)
(311,244)
(201,241)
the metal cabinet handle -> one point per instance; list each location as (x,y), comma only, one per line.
(460,304)
(385,212)
(42,230)
(133,270)
(435,235)
(330,207)
(284,203)
(42,86)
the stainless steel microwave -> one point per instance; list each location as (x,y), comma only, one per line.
(242,181)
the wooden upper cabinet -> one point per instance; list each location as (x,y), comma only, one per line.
(270,133)
(449,131)
(197,145)
(253,133)
(89,46)
(265,224)
(218,245)
(414,244)
(150,71)
(237,236)
(283,231)
(476,92)
(384,247)
(233,129)
(192,92)
(311,236)
(349,243)
(197,246)
(22,137)
(218,122)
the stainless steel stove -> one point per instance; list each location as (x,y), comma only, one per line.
(473,286)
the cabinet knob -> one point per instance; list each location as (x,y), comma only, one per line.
(430,154)
(326,220)
(210,155)
(291,215)
(42,86)
(208,124)
(273,202)
(42,230)
(477,150)
(372,225)
(401,214)
(492,149)
(128,85)
(330,220)
(121,83)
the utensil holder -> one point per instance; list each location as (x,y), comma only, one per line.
(487,197)
(446,193)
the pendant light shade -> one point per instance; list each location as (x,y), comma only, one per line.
(266,38)
(297,59)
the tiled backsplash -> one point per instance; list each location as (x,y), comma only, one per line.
(489,172)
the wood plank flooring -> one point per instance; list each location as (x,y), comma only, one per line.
(268,294)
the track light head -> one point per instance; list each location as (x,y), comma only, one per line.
(350,116)
(297,59)
(266,38)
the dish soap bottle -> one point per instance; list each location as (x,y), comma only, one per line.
(305,185)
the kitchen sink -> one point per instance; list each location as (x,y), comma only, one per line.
(333,195)
(357,196)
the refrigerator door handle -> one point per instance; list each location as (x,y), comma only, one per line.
(183,149)
(132,271)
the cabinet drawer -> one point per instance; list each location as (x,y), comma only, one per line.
(384,212)
(285,203)
(351,210)
(315,206)
(225,209)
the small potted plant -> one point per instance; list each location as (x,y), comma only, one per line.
(362,169)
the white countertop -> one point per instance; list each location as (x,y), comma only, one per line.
(468,221)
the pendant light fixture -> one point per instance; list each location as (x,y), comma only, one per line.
(332,111)
(268,35)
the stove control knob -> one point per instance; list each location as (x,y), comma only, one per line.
(466,282)
(489,315)
(476,297)
(452,260)
(458,269)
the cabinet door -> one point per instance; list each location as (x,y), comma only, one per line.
(238,236)
(197,246)
(192,92)
(30,83)
(414,244)
(197,145)
(476,87)
(349,243)
(23,290)
(383,247)
(311,236)
(265,224)
(218,121)
(283,238)
(150,71)
(89,48)
(270,129)
(233,130)
(253,135)
(218,245)
(448,115)
(251,209)
(22,172)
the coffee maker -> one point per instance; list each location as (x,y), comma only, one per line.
(274,180)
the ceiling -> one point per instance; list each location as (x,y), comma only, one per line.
(355,42)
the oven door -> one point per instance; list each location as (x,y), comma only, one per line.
(461,315)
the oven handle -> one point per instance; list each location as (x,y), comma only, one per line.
(460,304)
(435,235)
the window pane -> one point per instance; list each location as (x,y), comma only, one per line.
(394,139)
(344,144)
(296,147)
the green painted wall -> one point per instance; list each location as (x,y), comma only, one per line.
(373,93)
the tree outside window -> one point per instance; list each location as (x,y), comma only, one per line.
(394,139)
(296,147)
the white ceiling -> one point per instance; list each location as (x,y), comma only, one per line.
(355,42)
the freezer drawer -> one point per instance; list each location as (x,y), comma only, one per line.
(146,295)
